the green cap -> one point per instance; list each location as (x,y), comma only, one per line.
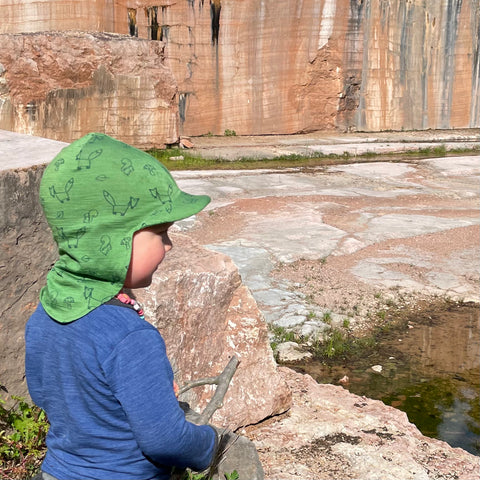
(96,193)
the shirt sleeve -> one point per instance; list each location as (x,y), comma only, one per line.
(141,378)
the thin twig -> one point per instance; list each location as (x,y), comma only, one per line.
(198,383)
(222,381)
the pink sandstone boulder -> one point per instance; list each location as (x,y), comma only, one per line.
(330,433)
(206,315)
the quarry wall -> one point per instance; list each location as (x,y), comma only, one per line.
(275,66)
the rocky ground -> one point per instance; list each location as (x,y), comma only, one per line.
(329,434)
(347,240)
(344,239)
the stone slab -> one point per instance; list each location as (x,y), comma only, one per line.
(18,150)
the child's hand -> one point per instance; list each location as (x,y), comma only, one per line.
(176,388)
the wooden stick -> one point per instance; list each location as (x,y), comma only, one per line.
(222,381)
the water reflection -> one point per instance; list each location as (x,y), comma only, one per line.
(430,370)
(441,409)
(459,426)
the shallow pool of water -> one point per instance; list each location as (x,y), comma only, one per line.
(430,370)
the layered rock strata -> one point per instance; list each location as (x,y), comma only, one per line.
(246,67)
(63,85)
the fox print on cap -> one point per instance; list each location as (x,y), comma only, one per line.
(96,193)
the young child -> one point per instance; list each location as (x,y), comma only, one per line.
(97,368)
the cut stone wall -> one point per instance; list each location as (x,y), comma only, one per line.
(274,67)
(26,254)
(64,85)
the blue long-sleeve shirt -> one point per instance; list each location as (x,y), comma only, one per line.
(106,385)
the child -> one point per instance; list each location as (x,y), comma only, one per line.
(97,368)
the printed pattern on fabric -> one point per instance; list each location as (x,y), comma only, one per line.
(96,194)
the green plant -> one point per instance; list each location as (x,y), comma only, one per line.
(346,323)
(439,151)
(192,161)
(327,317)
(336,344)
(23,429)
(201,476)
(230,133)
(281,335)
(232,476)
(195,476)
(339,343)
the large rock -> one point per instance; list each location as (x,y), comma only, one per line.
(64,85)
(206,315)
(332,434)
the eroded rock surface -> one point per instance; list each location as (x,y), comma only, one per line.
(330,433)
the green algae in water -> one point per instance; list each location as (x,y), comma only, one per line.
(430,369)
(442,408)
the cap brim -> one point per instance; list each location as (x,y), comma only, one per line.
(185,205)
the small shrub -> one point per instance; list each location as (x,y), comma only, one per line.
(281,335)
(327,317)
(342,344)
(23,429)
(230,133)
(336,345)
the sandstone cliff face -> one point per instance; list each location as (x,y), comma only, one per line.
(275,66)
(283,66)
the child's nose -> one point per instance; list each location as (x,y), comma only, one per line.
(167,243)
